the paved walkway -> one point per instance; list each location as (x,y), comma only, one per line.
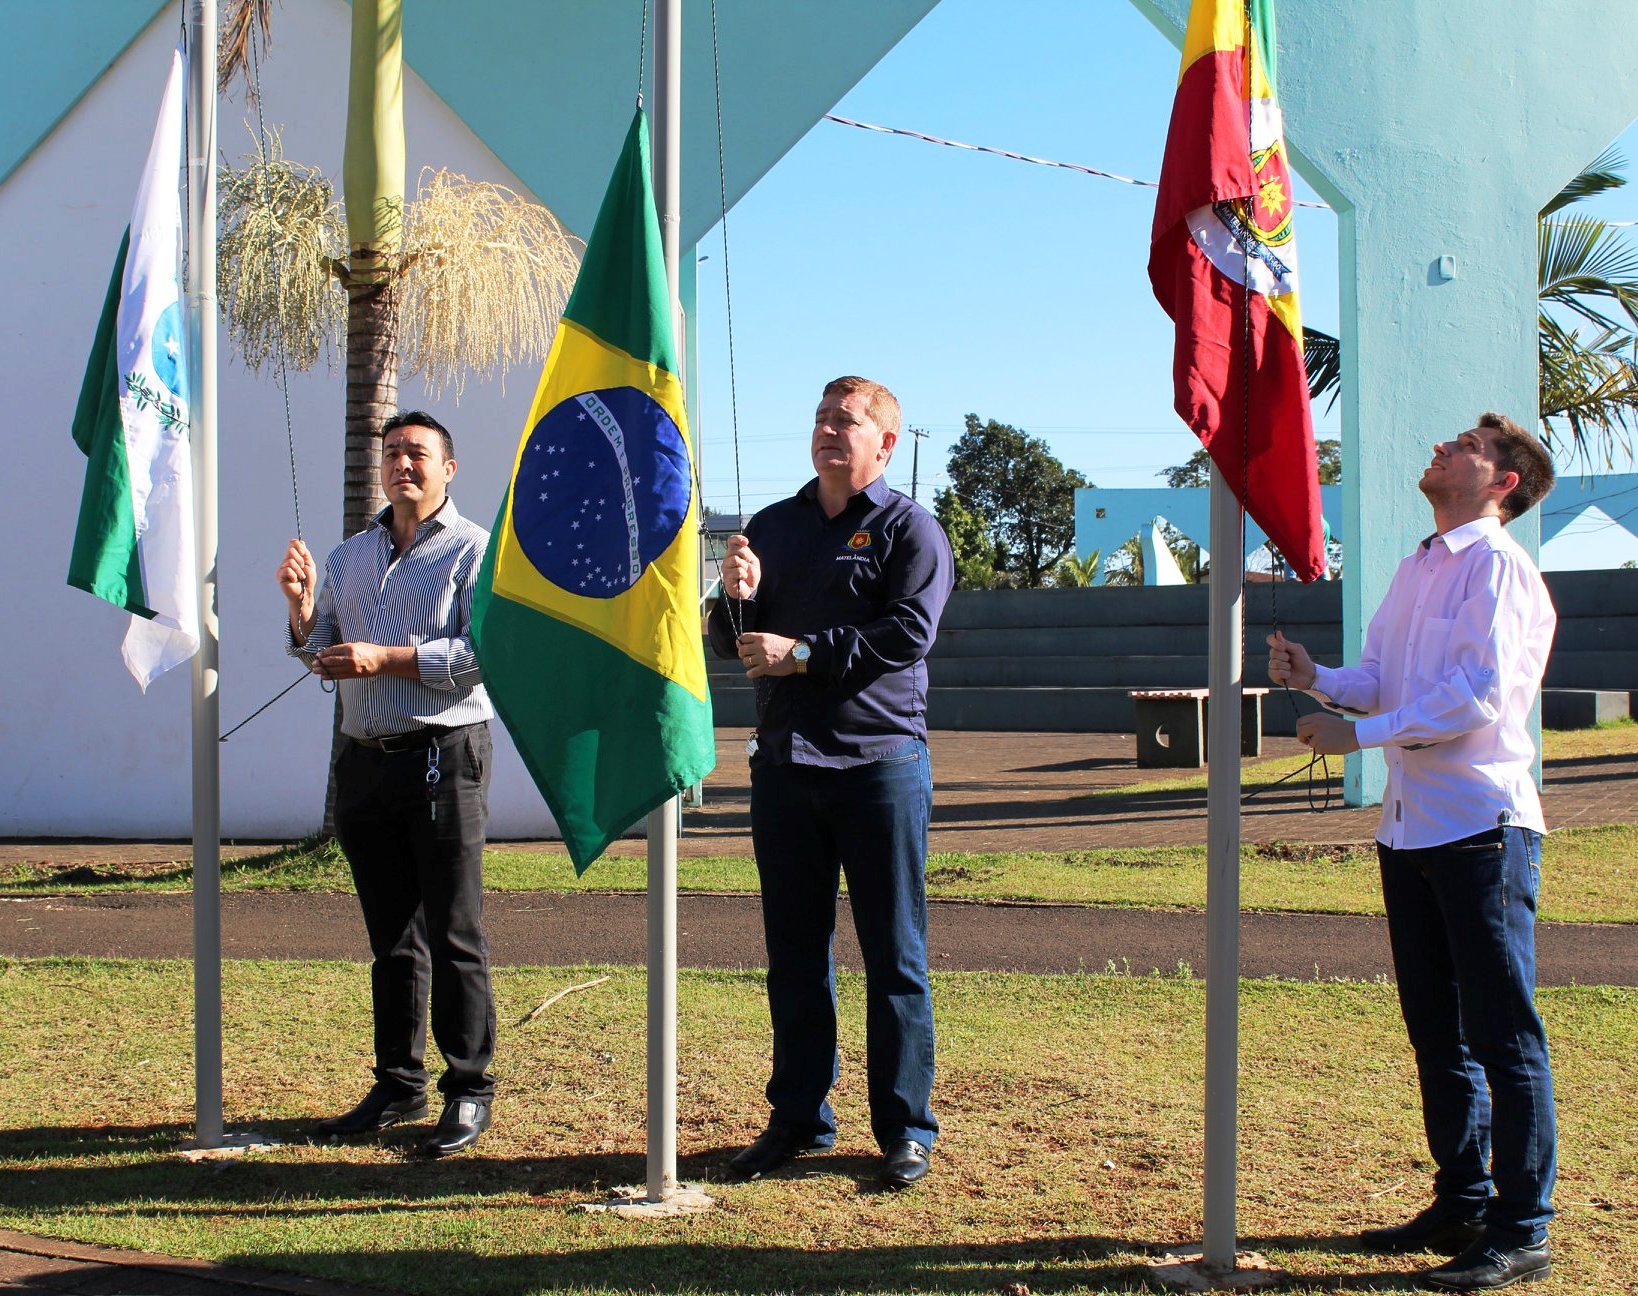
(1010,791)
(48,1267)
(1031,791)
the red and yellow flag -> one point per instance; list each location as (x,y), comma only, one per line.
(1223,263)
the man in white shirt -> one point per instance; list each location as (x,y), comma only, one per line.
(1452,666)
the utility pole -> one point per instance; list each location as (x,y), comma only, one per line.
(915,457)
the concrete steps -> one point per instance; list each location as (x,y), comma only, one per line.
(1064,660)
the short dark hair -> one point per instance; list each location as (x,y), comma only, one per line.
(1521,452)
(419,418)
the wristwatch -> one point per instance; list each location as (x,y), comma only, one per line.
(800,654)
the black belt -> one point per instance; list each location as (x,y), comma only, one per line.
(431,736)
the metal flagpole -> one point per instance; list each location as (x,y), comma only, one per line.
(662,823)
(1224,681)
(201,292)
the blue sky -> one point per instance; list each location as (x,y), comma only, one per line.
(971,283)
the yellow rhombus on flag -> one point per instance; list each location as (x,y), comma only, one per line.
(586,616)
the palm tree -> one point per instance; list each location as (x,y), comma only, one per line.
(1587,275)
(466,278)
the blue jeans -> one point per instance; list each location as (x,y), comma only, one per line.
(1462,917)
(809,824)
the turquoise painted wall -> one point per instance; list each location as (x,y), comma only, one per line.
(549,88)
(1435,130)
(53,54)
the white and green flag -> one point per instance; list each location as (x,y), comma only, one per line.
(134,545)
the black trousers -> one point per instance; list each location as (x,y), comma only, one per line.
(420,885)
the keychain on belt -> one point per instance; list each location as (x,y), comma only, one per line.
(432,780)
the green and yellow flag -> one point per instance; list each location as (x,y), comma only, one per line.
(586,617)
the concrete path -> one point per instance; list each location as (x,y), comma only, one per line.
(542,928)
(49,1267)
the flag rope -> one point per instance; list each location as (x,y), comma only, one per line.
(736,606)
(1316,803)
(326,686)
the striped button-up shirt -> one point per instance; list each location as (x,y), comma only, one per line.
(421,598)
(1452,665)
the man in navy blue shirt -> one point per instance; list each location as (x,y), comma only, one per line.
(831,601)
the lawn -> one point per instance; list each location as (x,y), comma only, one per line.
(1071,1147)
(1588,875)
(1588,872)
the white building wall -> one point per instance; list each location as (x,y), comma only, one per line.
(84,753)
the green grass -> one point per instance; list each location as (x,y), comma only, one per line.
(1071,1145)
(1588,875)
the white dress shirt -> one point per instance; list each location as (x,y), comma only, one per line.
(1452,665)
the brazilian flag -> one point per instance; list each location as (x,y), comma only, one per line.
(586,618)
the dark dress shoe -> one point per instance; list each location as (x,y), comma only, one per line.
(1489,1264)
(1447,1229)
(773,1148)
(905,1162)
(381,1109)
(458,1128)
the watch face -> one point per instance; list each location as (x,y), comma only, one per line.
(802,652)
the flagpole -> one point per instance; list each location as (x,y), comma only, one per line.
(201,291)
(1224,680)
(662,823)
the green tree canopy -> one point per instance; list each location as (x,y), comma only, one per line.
(969,540)
(1021,490)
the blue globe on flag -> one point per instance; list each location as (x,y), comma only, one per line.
(169,352)
(602,491)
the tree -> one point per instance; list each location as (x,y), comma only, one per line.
(969,540)
(1077,573)
(468,277)
(1126,563)
(1196,470)
(1026,496)
(1586,272)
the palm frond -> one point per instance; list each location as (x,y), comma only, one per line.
(1322,354)
(486,277)
(282,235)
(235,42)
(1580,261)
(1589,386)
(1602,174)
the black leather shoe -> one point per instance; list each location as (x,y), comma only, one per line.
(773,1148)
(1490,1264)
(458,1128)
(905,1162)
(1446,1229)
(380,1110)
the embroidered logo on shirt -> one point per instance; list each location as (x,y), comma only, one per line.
(859,540)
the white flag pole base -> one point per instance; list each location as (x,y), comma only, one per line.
(635,1203)
(228,1148)
(1187,1271)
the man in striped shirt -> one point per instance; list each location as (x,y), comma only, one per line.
(391,624)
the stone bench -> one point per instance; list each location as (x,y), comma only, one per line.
(1171,726)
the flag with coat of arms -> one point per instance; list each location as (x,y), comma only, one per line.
(1223,264)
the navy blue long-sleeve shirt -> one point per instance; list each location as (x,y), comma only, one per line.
(866,589)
